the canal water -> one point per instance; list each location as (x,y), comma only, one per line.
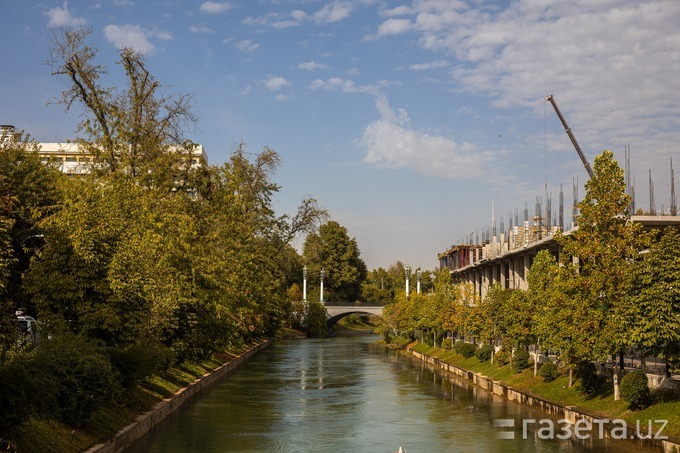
(348,394)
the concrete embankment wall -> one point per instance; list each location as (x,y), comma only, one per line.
(146,421)
(566,412)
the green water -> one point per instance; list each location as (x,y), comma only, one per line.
(350,395)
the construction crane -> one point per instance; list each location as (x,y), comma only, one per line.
(571,136)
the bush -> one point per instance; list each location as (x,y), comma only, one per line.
(316,320)
(446,344)
(135,363)
(548,371)
(81,374)
(457,345)
(467,350)
(521,359)
(502,357)
(634,389)
(484,353)
(586,371)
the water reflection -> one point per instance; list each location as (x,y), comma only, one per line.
(347,394)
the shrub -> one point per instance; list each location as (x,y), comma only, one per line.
(135,363)
(548,371)
(316,320)
(502,357)
(634,389)
(484,353)
(586,371)
(457,345)
(467,350)
(521,359)
(81,374)
(446,344)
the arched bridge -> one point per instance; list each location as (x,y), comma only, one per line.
(338,310)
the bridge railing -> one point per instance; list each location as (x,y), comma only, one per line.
(353,304)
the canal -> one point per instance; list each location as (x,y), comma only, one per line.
(348,394)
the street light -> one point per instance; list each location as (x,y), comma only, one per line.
(41,236)
(407,272)
(323,273)
(304,283)
(418,285)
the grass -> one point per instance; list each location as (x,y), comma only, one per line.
(55,437)
(357,322)
(666,406)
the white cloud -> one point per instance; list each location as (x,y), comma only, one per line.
(613,66)
(341,85)
(394,27)
(398,11)
(311,66)
(391,142)
(211,7)
(247,45)
(276,83)
(133,36)
(201,29)
(429,65)
(333,12)
(298,15)
(62,17)
(281,97)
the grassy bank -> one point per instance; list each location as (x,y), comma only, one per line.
(50,435)
(601,404)
(356,324)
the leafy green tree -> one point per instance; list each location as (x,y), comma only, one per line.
(129,130)
(333,250)
(559,318)
(605,244)
(653,314)
(316,320)
(27,194)
(377,287)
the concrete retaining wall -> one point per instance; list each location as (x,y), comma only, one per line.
(146,421)
(567,412)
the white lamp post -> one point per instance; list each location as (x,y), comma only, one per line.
(418,284)
(407,271)
(321,292)
(304,283)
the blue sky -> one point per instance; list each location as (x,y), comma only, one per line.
(408,120)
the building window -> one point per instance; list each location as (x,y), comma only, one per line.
(71,159)
(85,160)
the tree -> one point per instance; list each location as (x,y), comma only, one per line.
(377,287)
(27,194)
(130,131)
(333,250)
(653,314)
(605,244)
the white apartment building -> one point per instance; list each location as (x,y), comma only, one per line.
(74,160)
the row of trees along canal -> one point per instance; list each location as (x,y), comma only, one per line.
(147,261)
(614,288)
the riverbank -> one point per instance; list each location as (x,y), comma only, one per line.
(116,427)
(555,397)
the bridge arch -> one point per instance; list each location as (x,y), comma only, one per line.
(338,311)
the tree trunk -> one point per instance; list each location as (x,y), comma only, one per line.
(536,351)
(617,386)
(571,376)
